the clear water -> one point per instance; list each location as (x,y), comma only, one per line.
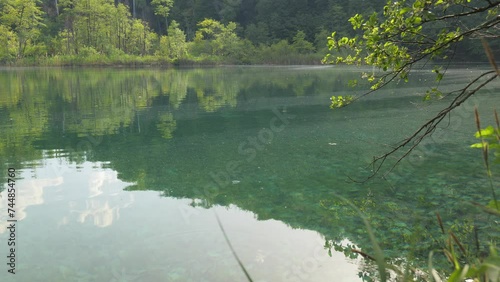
(120,173)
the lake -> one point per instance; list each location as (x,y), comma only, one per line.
(141,174)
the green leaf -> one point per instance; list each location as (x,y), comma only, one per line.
(477,145)
(493,205)
(459,274)
(486,132)
(356,21)
(439,77)
(404,10)
(340,101)
(427,96)
(352,83)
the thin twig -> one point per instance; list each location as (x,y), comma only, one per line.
(430,126)
(365,255)
(232,249)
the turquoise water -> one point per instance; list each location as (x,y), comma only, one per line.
(120,173)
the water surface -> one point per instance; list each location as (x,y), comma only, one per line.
(121,173)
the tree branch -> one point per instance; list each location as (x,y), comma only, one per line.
(430,126)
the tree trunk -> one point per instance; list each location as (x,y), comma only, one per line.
(133,9)
(166,26)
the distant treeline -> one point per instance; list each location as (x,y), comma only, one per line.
(101,32)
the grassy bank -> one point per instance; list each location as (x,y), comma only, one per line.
(127,60)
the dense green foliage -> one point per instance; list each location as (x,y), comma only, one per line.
(408,34)
(143,31)
(166,31)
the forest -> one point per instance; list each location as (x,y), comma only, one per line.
(191,32)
